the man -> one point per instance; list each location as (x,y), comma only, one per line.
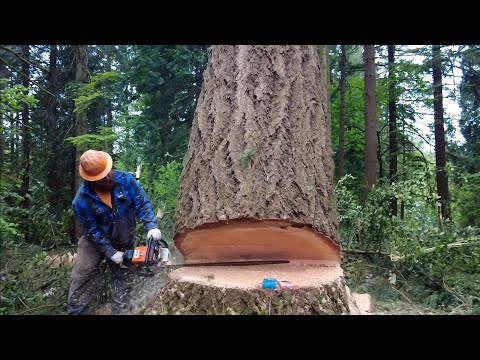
(106,206)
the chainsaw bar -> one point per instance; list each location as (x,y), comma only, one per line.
(234,263)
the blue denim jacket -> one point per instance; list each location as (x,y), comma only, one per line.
(114,229)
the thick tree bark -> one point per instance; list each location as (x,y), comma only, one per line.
(440,155)
(323,53)
(341,130)
(81,120)
(237,290)
(370,118)
(392,124)
(258,176)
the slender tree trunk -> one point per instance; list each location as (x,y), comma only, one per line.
(392,124)
(379,157)
(341,130)
(402,203)
(370,118)
(24,189)
(81,119)
(13,154)
(109,114)
(52,128)
(440,155)
(2,131)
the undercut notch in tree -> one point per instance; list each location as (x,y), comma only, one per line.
(244,240)
(257,185)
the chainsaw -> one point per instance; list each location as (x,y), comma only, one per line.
(145,255)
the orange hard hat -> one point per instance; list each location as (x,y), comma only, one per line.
(94,165)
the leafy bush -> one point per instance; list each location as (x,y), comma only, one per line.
(46,228)
(436,263)
(10,209)
(163,195)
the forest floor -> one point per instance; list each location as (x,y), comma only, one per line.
(404,308)
(29,285)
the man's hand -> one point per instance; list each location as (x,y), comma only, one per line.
(155,234)
(117,258)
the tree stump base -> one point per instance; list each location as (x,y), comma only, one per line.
(237,290)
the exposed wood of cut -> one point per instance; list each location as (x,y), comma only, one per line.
(259,149)
(250,240)
(238,290)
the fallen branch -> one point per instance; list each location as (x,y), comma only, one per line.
(432,249)
(365,252)
(450,246)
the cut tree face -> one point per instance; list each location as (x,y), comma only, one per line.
(242,241)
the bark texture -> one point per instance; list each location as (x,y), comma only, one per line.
(260,143)
(204,291)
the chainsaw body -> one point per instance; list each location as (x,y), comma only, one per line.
(145,255)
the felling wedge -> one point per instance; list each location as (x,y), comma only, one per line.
(256,242)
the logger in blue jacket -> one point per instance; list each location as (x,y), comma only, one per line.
(106,206)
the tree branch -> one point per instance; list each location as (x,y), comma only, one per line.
(21,73)
(6,48)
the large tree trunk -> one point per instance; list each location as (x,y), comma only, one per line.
(370,118)
(440,156)
(258,177)
(257,185)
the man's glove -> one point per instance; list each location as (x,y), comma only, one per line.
(155,234)
(117,258)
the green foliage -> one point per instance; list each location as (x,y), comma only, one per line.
(448,269)
(168,80)
(9,214)
(13,98)
(100,141)
(466,199)
(163,195)
(47,228)
(245,159)
(431,260)
(99,87)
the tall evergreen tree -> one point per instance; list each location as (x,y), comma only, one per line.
(370,118)
(440,154)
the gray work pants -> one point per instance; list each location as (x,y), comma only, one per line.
(85,281)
